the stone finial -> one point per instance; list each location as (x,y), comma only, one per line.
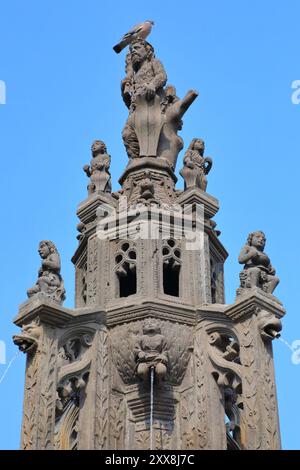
(258,271)
(196,166)
(98,170)
(49,282)
(151,351)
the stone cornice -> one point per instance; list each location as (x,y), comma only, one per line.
(252,302)
(147,163)
(87,209)
(48,312)
(196,195)
(171,311)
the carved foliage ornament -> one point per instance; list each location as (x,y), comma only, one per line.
(175,341)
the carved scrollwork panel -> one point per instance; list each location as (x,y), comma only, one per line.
(66,431)
(223,351)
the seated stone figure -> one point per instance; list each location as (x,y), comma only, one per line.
(98,170)
(258,271)
(151,351)
(196,166)
(50,282)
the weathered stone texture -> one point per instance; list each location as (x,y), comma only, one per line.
(150,302)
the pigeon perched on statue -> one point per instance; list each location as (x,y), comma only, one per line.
(141,30)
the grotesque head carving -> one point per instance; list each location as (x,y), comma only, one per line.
(27,340)
(269,325)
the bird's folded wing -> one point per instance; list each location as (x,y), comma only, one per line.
(133,31)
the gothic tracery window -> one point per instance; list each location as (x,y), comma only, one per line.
(125,262)
(171,268)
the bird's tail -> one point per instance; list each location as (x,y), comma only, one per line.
(118,47)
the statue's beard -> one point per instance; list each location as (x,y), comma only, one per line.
(136,62)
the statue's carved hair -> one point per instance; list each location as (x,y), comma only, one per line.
(192,144)
(50,245)
(252,234)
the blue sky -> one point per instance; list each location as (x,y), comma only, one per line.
(63,91)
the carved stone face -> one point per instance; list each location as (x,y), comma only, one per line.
(43,250)
(138,53)
(269,326)
(27,340)
(98,147)
(199,146)
(151,329)
(258,240)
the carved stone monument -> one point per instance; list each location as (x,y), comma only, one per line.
(150,304)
